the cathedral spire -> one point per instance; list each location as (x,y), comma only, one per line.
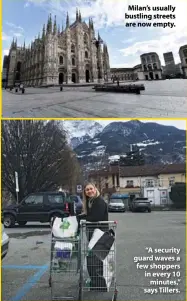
(99,38)
(12,44)
(24,45)
(92,25)
(55,27)
(62,27)
(106,48)
(49,25)
(67,21)
(58,29)
(80,18)
(77,15)
(43,33)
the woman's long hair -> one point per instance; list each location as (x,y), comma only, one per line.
(85,197)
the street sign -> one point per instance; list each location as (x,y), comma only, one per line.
(17,184)
(79,188)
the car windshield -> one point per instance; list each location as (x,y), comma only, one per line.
(141,201)
(114,201)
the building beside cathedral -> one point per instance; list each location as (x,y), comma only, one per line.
(70,55)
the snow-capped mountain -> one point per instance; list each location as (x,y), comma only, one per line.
(80,131)
(158,143)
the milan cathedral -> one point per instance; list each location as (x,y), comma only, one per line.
(70,55)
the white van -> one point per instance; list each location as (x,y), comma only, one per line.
(4,242)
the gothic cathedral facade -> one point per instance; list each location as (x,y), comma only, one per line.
(70,55)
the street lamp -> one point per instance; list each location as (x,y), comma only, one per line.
(97,43)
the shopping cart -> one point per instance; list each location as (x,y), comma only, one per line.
(80,269)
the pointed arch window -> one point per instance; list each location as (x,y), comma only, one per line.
(85,39)
(73,61)
(19,66)
(86,54)
(73,48)
(61,60)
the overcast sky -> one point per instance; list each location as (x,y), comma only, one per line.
(180,124)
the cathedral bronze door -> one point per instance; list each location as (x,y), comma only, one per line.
(151,75)
(87,75)
(73,78)
(61,78)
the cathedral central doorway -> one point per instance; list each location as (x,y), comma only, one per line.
(151,75)
(87,74)
(73,78)
(61,78)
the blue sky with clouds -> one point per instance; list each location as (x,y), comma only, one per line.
(24,19)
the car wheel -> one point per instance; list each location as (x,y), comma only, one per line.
(149,210)
(22,223)
(9,221)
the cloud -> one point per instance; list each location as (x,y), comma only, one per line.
(132,63)
(17,34)
(5,51)
(130,40)
(6,37)
(110,12)
(167,42)
(15,27)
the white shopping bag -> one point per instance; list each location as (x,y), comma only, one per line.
(109,267)
(66,227)
(95,237)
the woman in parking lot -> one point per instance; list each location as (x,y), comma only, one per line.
(95,209)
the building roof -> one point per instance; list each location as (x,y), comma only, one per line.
(174,168)
(121,69)
(182,47)
(109,190)
(149,53)
(137,66)
(145,170)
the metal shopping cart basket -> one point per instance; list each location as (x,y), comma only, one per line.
(86,268)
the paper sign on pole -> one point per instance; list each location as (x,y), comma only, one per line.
(17,184)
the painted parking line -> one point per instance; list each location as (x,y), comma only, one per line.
(22,267)
(30,283)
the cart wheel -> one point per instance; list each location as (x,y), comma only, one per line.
(114,298)
(49,281)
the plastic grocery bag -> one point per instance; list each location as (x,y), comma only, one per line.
(66,227)
(63,250)
(101,257)
(109,267)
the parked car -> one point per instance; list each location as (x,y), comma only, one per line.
(4,242)
(78,203)
(38,207)
(116,205)
(140,205)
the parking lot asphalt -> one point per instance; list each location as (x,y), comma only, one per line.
(25,270)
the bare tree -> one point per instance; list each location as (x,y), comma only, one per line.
(38,151)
